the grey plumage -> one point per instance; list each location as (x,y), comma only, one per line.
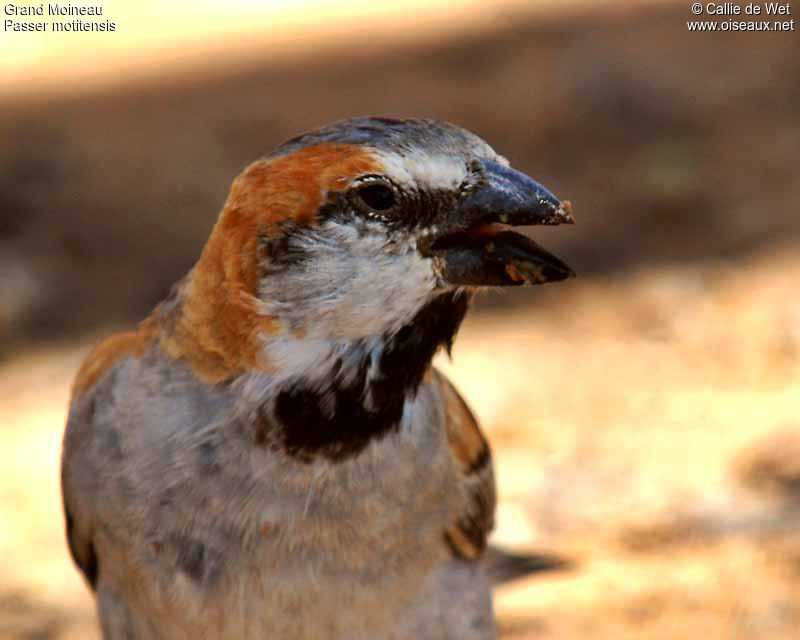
(270,454)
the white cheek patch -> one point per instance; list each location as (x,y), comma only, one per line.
(352,284)
(337,307)
(426,171)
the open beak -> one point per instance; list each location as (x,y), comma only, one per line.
(476,246)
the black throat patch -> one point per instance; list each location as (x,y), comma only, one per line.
(338,421)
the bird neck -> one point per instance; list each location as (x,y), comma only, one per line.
(333,399)
(314,397)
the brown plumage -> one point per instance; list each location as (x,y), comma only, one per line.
(270,453)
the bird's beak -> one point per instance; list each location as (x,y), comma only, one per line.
(476,247)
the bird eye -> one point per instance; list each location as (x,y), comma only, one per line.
(378,197)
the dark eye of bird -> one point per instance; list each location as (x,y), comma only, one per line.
(377,197)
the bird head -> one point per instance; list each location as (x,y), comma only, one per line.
(349,231)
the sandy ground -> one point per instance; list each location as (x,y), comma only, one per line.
(644,426)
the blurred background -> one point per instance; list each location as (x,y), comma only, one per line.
(645,416)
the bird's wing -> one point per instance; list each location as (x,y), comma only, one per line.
(77,492)
(467,536)
(82,448)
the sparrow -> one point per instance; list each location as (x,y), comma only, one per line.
(271,454)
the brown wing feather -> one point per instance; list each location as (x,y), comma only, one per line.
(467,536)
